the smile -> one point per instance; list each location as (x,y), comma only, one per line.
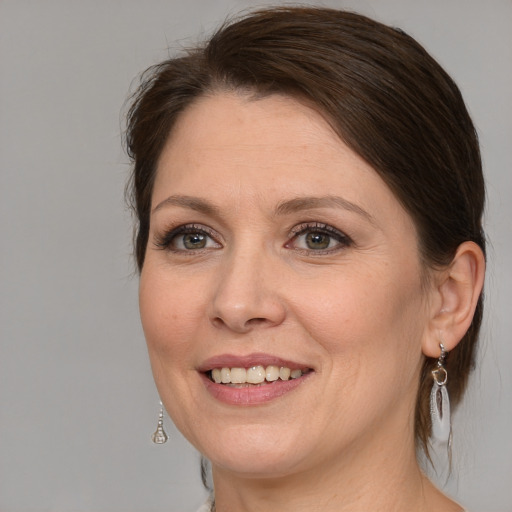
(253,379)
(254,375)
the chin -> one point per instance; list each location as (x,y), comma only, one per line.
(257,465)
(253,451)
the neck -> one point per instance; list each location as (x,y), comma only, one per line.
(380,476)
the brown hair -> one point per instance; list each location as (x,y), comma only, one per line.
(385,96)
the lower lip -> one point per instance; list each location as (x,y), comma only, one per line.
(252,395)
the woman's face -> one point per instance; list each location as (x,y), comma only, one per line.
(274,248)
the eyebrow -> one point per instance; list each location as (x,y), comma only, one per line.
(284,208)
(190,202)
(310,203)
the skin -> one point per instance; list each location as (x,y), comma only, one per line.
(357,313)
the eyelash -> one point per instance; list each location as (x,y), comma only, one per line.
(165,241)
(321,228)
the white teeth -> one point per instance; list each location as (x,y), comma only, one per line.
(272,373)
(225,375)
(238,375)
(254,375)
(284,373)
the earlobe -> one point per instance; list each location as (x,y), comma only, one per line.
(458,290)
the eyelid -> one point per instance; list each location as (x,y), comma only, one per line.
(305,227)
(164,239)
(320,226)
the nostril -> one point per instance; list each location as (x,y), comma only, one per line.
(256,321)
(241,325)
(219,322)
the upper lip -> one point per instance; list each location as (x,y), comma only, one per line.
(246,361)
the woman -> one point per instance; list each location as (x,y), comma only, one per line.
(309,195)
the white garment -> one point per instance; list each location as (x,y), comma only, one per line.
(206,507)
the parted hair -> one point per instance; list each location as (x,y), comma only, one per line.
(382,93)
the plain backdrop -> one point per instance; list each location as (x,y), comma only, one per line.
(77,400)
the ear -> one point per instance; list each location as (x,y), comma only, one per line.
(456,293)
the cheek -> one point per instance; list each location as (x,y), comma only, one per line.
(366,321)
(171,321)
(168,318)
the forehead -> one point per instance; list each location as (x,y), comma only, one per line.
(233,136)
(238,121)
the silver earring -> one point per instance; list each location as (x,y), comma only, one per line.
(159,436)
(440,402)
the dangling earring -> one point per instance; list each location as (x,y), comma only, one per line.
(440,402)
(159,436)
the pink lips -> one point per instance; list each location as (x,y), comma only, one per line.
(250,395)
(232,361)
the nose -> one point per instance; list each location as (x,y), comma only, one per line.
(247,295)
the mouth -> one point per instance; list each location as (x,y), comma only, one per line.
(254,376)
(252,379)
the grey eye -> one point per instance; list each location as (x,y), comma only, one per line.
(317,241)
(194,241)
(188,238)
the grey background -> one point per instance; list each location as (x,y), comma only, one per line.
(77,401)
